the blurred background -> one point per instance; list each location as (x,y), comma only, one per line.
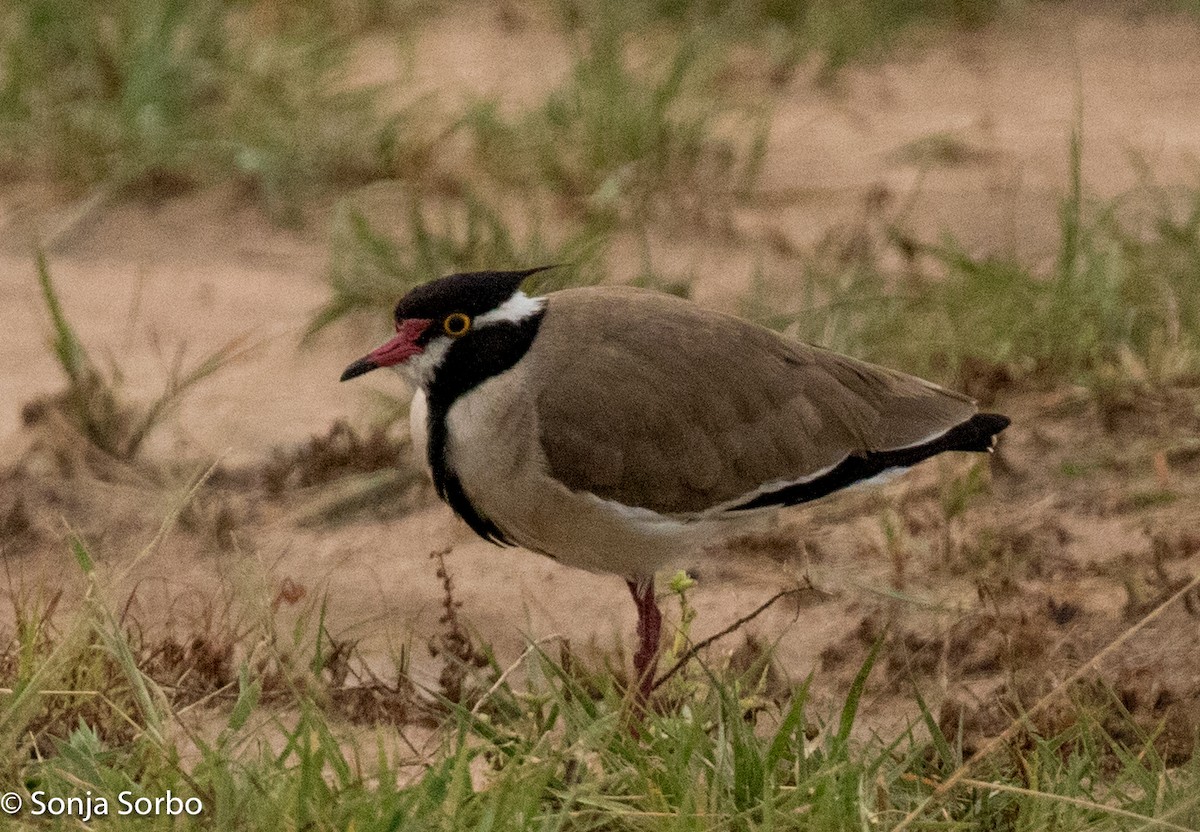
(208,208)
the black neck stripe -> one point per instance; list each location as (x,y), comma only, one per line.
(471,360)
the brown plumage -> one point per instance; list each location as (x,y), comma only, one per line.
(653,402)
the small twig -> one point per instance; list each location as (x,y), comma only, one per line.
(206,698)
(11,691)
(746,619)
(504,676)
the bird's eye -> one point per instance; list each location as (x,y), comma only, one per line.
(456,324)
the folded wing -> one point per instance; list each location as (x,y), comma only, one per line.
(655,403)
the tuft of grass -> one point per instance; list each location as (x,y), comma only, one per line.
(1151,498)
(1117,307)
(93,402)
(843,32)
(617,139)
(835,32)
(959,492)
(940,149)
(344,474)
(154,97)
(369,270)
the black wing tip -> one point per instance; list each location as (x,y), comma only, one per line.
(975,435)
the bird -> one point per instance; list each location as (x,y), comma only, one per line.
(622,430)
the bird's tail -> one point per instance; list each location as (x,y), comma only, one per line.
(977,434)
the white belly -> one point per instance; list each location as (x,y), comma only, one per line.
(495,451)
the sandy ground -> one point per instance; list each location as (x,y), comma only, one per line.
(199,270)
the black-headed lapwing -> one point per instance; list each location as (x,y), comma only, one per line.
(621,430)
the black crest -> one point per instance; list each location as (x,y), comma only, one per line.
(472,293)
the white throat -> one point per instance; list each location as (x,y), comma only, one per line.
(418,371)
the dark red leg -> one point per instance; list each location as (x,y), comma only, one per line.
(649,629)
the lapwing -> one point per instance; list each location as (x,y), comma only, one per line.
(622,430)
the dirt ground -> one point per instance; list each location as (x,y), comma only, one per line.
(1082,522)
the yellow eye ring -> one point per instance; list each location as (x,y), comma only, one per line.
(456,324)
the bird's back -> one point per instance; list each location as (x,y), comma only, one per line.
(655,403)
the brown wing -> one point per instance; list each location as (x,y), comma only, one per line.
(653,402)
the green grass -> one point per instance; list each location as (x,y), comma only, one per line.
(370,270)
(622,141)
(1117,306)
(614,145)
(552,752)
(835,33)
(154,97)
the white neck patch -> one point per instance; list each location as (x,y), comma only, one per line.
(517,308)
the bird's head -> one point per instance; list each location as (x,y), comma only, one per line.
(435,315)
